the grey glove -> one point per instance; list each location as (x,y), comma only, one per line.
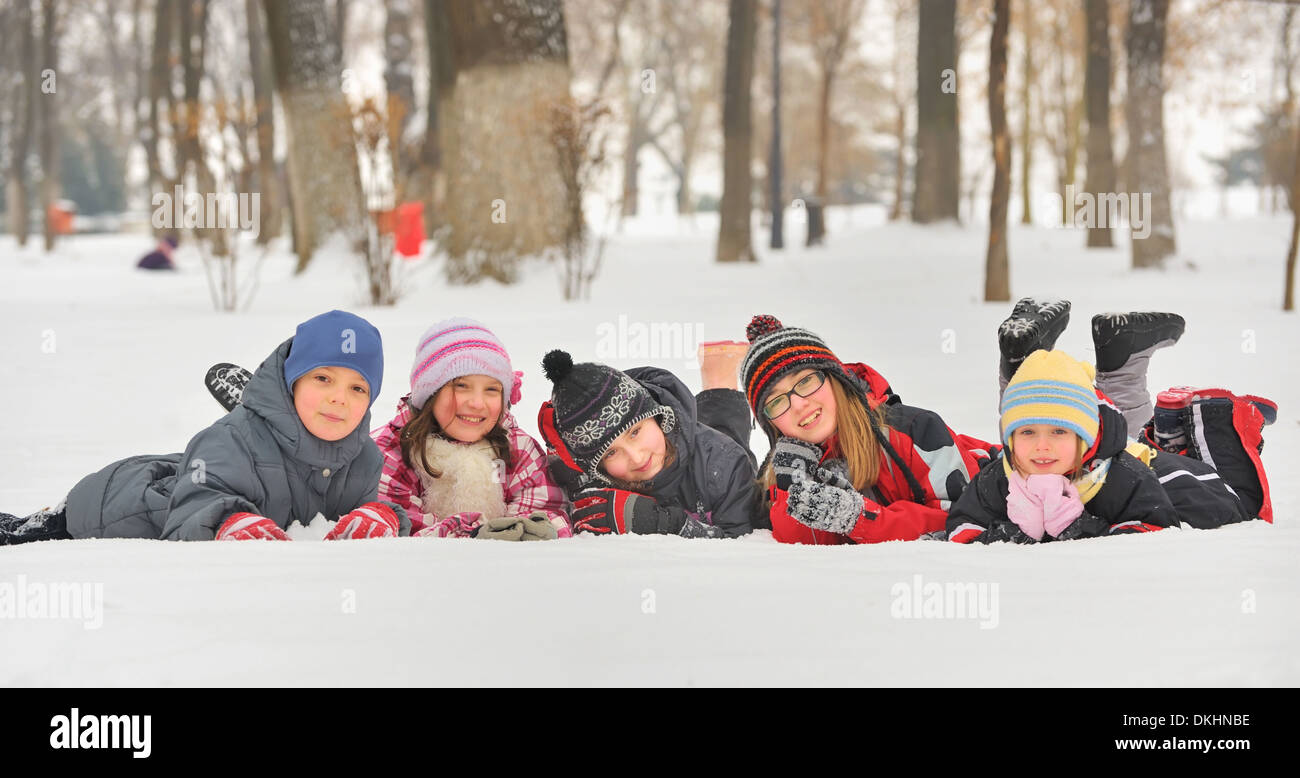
(823,506)
(535,526)
(538,527)
(501,528)
(791,456)
(834,473)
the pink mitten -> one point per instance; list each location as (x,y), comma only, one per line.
(1024,507)
(458,525)
(1061,503)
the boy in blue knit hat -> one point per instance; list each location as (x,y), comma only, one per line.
(297,446)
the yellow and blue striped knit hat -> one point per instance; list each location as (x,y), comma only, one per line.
(1051,387)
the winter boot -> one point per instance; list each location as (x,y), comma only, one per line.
(1032,325)
(1226,432)
(226,383)
(46,524)
(1124,343)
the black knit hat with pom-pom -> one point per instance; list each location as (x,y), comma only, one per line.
(774,351)
(594,404)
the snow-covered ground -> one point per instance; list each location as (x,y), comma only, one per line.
(102,362)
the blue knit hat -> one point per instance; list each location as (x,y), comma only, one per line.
(337,339)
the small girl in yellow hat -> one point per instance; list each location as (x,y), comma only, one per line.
(1068,469)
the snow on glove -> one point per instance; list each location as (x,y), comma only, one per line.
(1060,498)
(616,511)
(250,526)
(372,520)
(823,506)
(695,527)
(537,526)
(791,456)
(1024,507)
(501,528)
(834,473)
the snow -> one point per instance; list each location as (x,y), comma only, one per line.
(103,362)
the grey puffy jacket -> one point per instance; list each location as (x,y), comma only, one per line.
(259,458)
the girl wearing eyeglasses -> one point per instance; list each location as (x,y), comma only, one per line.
(849,462)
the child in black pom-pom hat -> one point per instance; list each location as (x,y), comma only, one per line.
(634,453)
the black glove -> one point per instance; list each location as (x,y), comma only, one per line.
(791,456)
(616,511)
(693,527)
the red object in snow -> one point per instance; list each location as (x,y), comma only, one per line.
(410,228)
(60,214)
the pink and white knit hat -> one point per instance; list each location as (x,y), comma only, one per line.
(459,347)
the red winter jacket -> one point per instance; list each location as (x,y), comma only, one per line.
(924,468)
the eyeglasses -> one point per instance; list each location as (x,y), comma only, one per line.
(780,403)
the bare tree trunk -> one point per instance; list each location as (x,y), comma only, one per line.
(50,131)
(194,163)
(141,73)
(1097,81)
(160,93)
(318,124)
(900,162)
(399,78)
(399,82)
(997,275)
(685,196)
(824,133)
(193,24)
(121,92)
(937,193)
(1026,137)
(512,75)
(775,163)
(269,214)
(1148,172)
(902,100)
(339,25)
(26,101)
(636,138)
(1070,111)
(429,179)
(734,239)
(1288,293)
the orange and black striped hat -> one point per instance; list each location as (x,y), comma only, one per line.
(775,350)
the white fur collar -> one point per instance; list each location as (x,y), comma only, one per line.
(473,479)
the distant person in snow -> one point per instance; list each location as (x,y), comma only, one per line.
(638,453)
(849,463)
(1070,467)
(161,257)
(455,457)
(297,446)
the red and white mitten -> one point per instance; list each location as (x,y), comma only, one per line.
(250,526)
(372,520)
(458,525)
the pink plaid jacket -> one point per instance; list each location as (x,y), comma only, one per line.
(528,485)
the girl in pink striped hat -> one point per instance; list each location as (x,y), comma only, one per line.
(454,456)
